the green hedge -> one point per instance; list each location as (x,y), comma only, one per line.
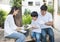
(3,15)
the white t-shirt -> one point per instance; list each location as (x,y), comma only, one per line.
(36,23)
(9,25)
(44,19)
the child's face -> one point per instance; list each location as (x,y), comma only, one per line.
(34,18)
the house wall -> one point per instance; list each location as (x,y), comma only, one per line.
(56,16)
(5,2)
(31,8)
(5,5)
(49,2)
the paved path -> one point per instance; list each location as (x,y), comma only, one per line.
(57,36)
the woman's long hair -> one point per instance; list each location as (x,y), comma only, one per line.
(12,11)
(13,8)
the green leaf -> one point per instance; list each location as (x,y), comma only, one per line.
(17,3)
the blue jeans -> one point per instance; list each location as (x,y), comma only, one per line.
(18,36)
(48,31)
(37,36)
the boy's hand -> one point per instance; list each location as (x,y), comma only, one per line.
(34,27)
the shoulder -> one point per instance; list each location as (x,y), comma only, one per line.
(9,17)
(49,14)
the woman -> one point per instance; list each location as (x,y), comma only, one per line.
(10,29)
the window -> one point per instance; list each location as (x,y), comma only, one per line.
(37,3)
(50,3)
(30,3)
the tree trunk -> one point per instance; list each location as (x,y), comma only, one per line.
(18,18)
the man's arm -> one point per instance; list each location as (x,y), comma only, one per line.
(50,23)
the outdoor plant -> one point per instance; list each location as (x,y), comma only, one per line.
(50,9)
(26,19)
(3,15)
(16,3)
(27,11)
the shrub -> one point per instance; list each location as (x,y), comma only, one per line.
(26,19)
(27,12)
(3,15)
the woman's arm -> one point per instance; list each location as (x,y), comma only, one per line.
(18,29)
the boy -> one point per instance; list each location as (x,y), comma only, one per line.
(36,30)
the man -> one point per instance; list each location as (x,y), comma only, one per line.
(46,24)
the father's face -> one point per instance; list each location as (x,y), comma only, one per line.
(43,12)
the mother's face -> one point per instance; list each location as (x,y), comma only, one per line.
(16,12)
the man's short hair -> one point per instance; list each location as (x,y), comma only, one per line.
(44,7)
(34,14)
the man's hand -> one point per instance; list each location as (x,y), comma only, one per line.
(50,23)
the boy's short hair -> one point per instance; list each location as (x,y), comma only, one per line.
(44,7)
(34,14)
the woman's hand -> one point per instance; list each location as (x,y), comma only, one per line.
(19,28)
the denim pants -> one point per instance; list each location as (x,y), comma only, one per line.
(45,32)
(37,36)
(18,36)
